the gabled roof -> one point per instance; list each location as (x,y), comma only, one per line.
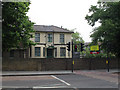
(44,28)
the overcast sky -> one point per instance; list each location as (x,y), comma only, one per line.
(69,14)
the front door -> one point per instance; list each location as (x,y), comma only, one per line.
(50,53)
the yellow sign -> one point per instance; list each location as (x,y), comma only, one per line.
(94,48)
(73,61)
(106,61)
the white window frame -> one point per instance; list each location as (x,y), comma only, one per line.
(62,51)
(50,37)
(62,38)
(38,52)
(37,37)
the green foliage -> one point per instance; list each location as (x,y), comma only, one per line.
(17,27)
(102,54)
(108,33)
(77,39)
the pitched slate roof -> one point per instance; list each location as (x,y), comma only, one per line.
(44,28)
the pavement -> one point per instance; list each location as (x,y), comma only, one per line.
(32,73)
(111,76)
(29,73)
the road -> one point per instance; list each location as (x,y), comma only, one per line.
(70,81)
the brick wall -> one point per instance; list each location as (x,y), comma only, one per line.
(36,64)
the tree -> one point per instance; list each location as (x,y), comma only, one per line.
(108,33)
(77,38)
(17,28)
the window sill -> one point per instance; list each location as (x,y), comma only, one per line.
(62,42)
(62,56)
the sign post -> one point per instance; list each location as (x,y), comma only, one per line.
(94,49)
(107,63)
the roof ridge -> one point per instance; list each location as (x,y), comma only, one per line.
(62,28)
(48,28)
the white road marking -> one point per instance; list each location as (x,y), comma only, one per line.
(51,86)
(42,87)
(48,87)
(60,80)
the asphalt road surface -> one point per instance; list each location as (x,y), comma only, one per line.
(56,82)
